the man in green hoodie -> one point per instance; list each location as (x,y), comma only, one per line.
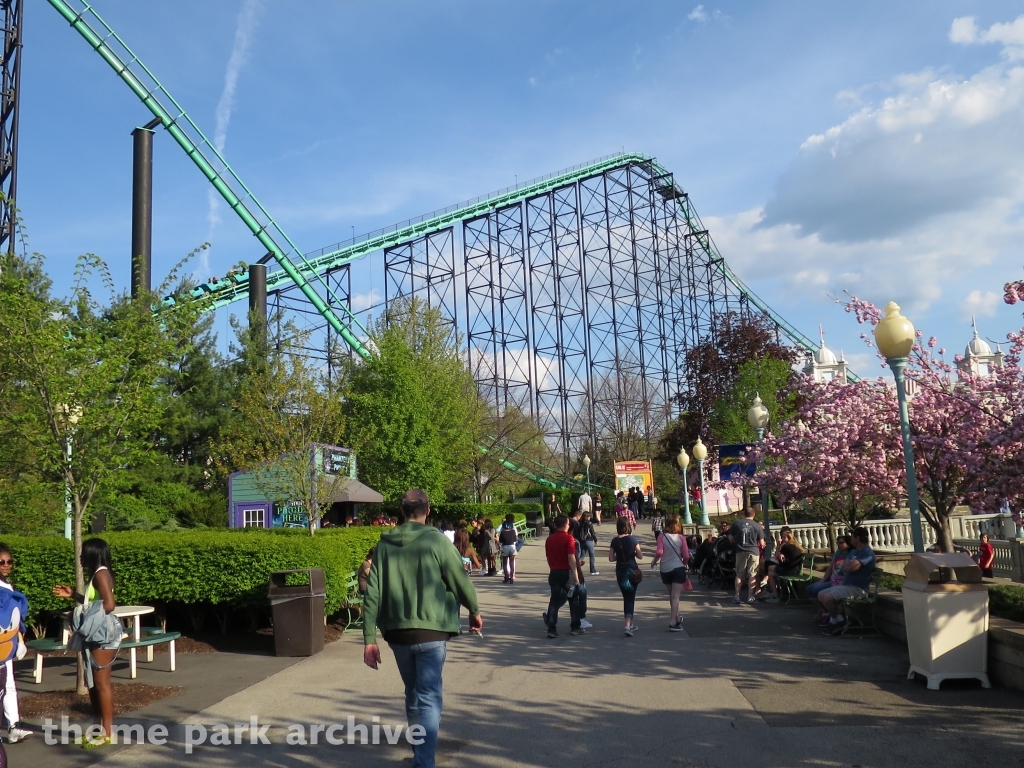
(413,594)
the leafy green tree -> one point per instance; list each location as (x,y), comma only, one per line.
(284,405)
(768,377)
(413,412)
(80,378)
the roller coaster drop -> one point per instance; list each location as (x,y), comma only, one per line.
(564,288)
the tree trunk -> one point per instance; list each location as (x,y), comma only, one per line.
(945,533)
(76,537)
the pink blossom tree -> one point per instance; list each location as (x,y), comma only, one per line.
(840,455)
(966,430)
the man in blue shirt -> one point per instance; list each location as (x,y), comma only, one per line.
(858,566)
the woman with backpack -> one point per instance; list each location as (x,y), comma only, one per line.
(624,552)
(673,554)
(97,632)
(588,540)
(508,537)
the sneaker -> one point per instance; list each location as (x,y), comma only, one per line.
(771,599)
(630,631)
(751,600)
(677,627)
(586,624)
(833,629)
(736,600)
(16,734)
(580,631)
(595,573)
(552,633)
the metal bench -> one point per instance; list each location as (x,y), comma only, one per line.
(788,585)
(856,607)
(353,602)
(523,530)
(53,645)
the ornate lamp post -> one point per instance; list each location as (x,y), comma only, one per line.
(586,466)
(700,452)
(895,337)
(683,460)
(757,417)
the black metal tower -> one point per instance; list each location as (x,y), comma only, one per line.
(10,97)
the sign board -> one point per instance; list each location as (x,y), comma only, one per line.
(732,463)
(634,474)
(336,461)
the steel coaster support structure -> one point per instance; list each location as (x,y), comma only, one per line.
(10,109)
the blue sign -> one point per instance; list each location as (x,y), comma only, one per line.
(733,466)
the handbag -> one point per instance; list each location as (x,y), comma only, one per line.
(635,576)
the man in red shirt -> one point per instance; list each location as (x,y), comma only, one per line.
(560,548)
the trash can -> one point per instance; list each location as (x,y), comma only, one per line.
(297,605)
(946,610)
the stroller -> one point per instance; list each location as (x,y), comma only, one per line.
(719,566)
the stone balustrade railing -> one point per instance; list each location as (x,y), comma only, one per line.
(1009,557)
(894,535)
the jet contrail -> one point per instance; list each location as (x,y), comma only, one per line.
(248,18)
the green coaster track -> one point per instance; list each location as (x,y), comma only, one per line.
(302,270)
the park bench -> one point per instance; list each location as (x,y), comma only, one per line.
(788,585)
(523,530)
(856,607)
(152,636)
(353,602)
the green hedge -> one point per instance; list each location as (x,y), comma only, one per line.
(207,567)
(1006,601)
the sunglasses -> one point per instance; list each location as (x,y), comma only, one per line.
(6,562)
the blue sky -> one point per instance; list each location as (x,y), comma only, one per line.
(875,147)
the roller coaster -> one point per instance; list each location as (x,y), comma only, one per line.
(557,286)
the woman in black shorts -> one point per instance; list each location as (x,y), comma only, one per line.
(673,554)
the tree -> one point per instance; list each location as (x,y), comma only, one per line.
(627,415)
(964,428)
(82,378)
(413,411)
(840,456)
(283,408)
(768,377)
(511,436)
(712,369)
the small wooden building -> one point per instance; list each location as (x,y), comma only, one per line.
(248,507)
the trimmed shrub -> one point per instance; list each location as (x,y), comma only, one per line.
(453,512)
(229,569)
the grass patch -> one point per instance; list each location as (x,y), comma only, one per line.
(1006,601)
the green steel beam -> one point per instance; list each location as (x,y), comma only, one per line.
(149,92)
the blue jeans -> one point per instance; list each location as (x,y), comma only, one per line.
(588,548)
(816,587)
(580,598)
(420,667)
(559,583)
(628,595)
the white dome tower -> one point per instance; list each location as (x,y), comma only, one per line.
(823,364)
(979,359)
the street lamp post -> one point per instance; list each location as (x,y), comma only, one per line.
(586,466)
(683,460)
(700,452)
(71,415)
(895,337)
(757,417)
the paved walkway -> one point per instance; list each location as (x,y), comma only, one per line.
(743,686)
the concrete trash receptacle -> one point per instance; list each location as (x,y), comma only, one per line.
(946,610)
(297,605)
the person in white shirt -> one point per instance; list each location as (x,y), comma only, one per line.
(586,504)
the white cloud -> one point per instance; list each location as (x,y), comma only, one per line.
(932,146)
(964,30)
(698,14)
(978,303)
(363,301)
